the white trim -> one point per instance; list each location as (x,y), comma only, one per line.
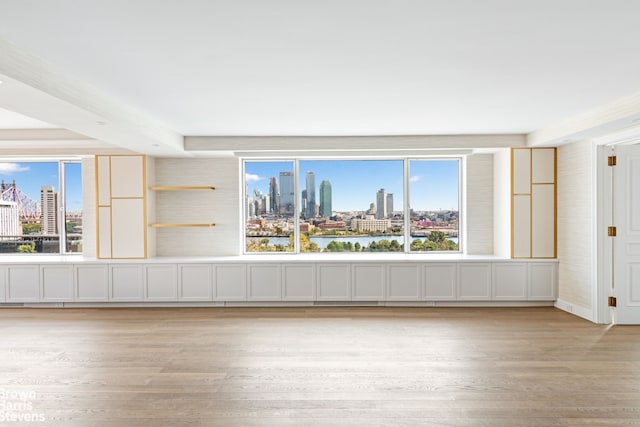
(585,313)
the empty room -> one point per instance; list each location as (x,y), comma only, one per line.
(337,213)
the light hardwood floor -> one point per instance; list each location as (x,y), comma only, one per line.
(319,367)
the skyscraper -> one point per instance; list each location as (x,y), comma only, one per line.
(311,194)
(325,199)
(389,210)
(10,226)
(273,195)
(381,204)
(286,193)
(49,209)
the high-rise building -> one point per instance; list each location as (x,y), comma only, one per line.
(303,207)
(10,226)
(49,210)
(389,205)
(311,194)
(273,195)
(287,193)
(325,199)
(381,204)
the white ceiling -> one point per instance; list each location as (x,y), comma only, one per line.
(12,120)
(333,67)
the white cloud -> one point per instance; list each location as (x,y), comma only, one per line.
(250,177)
(415,178)
(10,168)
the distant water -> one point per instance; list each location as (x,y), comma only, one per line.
(323,241)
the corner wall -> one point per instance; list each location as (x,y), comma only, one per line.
(576,239)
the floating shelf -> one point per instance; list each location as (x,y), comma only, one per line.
(181,187)
(181,225)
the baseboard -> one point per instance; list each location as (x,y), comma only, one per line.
(578,310)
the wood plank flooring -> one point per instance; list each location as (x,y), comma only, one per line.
(320,366)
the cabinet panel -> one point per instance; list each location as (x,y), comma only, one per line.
(127,176)
(521,226)
(440,281)
(194,282)
(57,282)
(23,283)
(3,284)
(104,232)
(161,283)
(230,283)
(403,282)
(521,170)
(542,281)
(127,228)
(92,283)
(264,283)
(126,283)
(474,281)
(510,281)
(543,221)
(368,282)
(334,282)
(543,168)
(299,282)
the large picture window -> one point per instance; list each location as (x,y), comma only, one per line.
(394,205)
(40,207)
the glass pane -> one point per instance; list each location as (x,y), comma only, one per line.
(29,207)
(351,206)
(434,187)
(73,207)
(269,206)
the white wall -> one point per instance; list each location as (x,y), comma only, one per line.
(88,207)
(502,203)
(479,215)
(576,241)
(219,206)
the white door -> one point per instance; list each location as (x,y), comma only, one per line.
(626,195)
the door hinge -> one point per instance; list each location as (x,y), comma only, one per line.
(612,302)
(611,160)
(611,231)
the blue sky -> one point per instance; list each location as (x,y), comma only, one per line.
(354,183)
(31,176)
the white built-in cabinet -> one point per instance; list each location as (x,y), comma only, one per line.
(271,282)
(194,282)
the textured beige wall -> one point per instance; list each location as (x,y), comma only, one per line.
(480,204)
(88,208)
(575,223)
(219,206)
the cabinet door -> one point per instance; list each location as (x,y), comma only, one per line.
(368,282)
(126,283)
(92,283)
(403,282)
(194,282)
(334,282)
(230,282)
(264,282)
(23,283)
(439,281)
(3,284)
(299,282)
(161,283)
(57,282)
(543,283)
(474,281)
(510,281)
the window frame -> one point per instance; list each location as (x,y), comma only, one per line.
(62,195)
(406,203)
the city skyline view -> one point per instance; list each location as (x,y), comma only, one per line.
(434,184)
(30,177)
